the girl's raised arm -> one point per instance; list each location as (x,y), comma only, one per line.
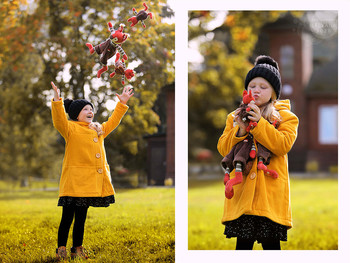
(118,112)
(56,93)
(59,117)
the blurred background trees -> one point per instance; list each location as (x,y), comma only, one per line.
(224,45)
(43,41)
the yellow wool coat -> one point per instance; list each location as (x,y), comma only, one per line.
(259,194)
(85,171)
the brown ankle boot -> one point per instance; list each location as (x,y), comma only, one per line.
(78,252)
(61,253)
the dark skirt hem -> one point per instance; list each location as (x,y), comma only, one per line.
(86,201)
(255,228)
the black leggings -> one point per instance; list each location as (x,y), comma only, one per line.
(68,213)
(268,244)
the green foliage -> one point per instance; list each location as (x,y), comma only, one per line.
(139,227)
(26,139)
(48,44)
(315,220)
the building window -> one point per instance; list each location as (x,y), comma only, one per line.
(287,61)
(328,124)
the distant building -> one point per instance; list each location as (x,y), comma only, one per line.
(309,71)
(161,146)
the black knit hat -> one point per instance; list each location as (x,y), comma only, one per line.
(74,107)
(267,68)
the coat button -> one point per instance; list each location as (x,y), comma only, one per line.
(98,155)
(95,139)
(99,170)
(252,176)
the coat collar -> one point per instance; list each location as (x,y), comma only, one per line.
(81,123)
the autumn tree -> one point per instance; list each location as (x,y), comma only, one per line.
(58,32)
(25,137)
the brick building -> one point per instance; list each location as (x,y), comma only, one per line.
(309,72)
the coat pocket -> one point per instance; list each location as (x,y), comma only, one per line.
(82,180)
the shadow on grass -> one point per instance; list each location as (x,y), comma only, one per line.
(40,194)
(22,195)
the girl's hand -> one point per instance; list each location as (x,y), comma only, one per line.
(128,92)
(242,125)
(56,92)
(255,114)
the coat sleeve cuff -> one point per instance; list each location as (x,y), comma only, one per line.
(121,106)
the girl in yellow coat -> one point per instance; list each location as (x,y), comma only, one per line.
(85,179)
(260,209)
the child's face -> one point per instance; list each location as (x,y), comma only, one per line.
(261,90)
(86,114)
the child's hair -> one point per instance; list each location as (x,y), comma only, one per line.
(270,113)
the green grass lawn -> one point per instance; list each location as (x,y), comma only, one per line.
(314,211)
(139,227)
